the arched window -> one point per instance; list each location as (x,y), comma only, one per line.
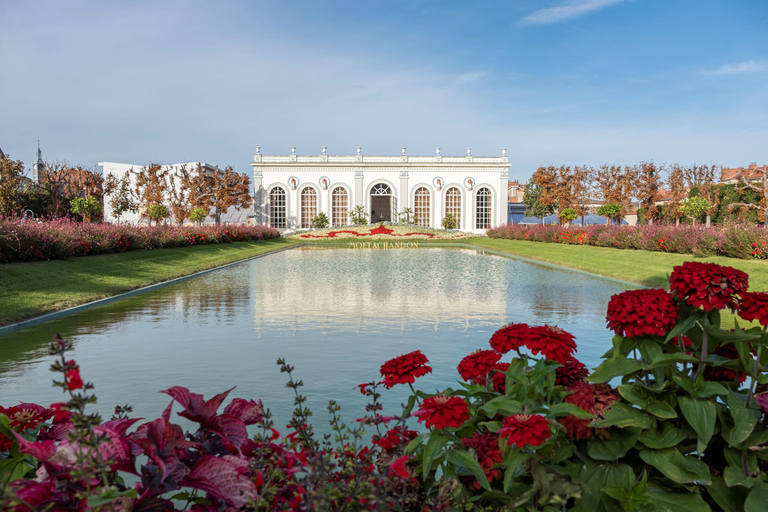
(453,204)
(340,201)
(421,207)
(277,208)
(308,207)
(483,209)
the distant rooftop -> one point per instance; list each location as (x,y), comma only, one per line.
(403,158)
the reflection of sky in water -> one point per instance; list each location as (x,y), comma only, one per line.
(334,314)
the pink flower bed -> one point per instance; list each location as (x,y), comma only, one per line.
(379,230)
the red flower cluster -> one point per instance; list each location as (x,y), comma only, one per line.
(499,377)
(570,373)
(552,342)
(72,377)
(754,306)
(486,447)
(525,429)
(405,369)
(642,312)
(21,417)
(509,337)
(394,439)
(475,366)
(593,398)
(708,285)
(443,411)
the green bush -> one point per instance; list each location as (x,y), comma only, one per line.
(320,221)
(449,222)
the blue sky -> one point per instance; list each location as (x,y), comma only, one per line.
(553,81)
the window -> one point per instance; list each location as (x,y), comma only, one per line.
(453,204)
(308,207)
(483,209)
(381,189)
(277,208)
(421,207)
(340,201)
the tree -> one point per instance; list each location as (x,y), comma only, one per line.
(694,207)
(198,215)
(567,215)
(545,179)
(701,179)
(677,191)
(580,190)
(157,212)
(610,211)
(563,189)
(179,191)
(149,188)
(358,215)
(216,191)
(120,195)
(532,201)
(758,183)
(449,221)
(647,190)
(407,216)
(88,208)
(64,182)
(11,174)
(320,221)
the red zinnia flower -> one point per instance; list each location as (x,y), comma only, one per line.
(405,369)
(720,373)
(571,372)
(708,285)
(641,312)
(499,377)
(443,411)
(486,448)
(761,399)
(754,306)
(60,415)
(510,337)
(24,416)
(73,379)
(525,429)
(593,398)
(552,342)
(476,365)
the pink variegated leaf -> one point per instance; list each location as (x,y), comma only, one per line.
(116,450)
(222,477)
(212,405)
(41,450)
(248,411)
(58,432)
(231,429)
(35,494)
(120,425)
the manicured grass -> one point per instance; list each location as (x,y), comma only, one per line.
(28,290)
(642,267)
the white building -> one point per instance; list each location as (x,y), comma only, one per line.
(290,190)
(231,216)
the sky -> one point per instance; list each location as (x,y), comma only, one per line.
(555,82)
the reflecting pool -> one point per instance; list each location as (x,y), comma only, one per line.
(335,314)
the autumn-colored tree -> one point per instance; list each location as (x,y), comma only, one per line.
(216,191)
(11,174)
(546,179)
(120,195)
(649,182)
(676,185)
(64,182)
(180,188)
(702,179)
(608,184)
(581,179)
(532,201)
(149,187)
(628,184)
(563,188)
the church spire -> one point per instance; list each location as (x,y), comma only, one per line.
(38,165)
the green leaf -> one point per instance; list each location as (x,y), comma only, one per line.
(415,443)
(462,458)
(700,415)
(514,461)
(565,409)
(757,499)
(730,499)
(730,337)
(632,394)
(684,501)
(685,382)
(669,359)
(734,476)
(107,495)
(614,368)
(437,440)
(706,389)
(13,469)
(622,415)
(502,404)
(615,447)
(676,466)
(670,436)
(661,410)
(409,407)
(744,420)
(686,325)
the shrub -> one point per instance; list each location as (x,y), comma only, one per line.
(609,211)
(320,221)
(157,212)
(449,222)
(88,208)
(198,215)
(567,215)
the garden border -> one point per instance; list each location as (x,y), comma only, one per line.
(7,329)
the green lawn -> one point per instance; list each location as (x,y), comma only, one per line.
(642,267)
(28,290)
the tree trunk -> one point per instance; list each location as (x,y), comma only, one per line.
(709,220)
(677,222)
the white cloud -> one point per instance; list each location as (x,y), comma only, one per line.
(750,66)
(566,11)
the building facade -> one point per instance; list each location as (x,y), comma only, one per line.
(290,190)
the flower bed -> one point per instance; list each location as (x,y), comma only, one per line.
(734,240)
(383,232)
(674,418)
(63,238)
